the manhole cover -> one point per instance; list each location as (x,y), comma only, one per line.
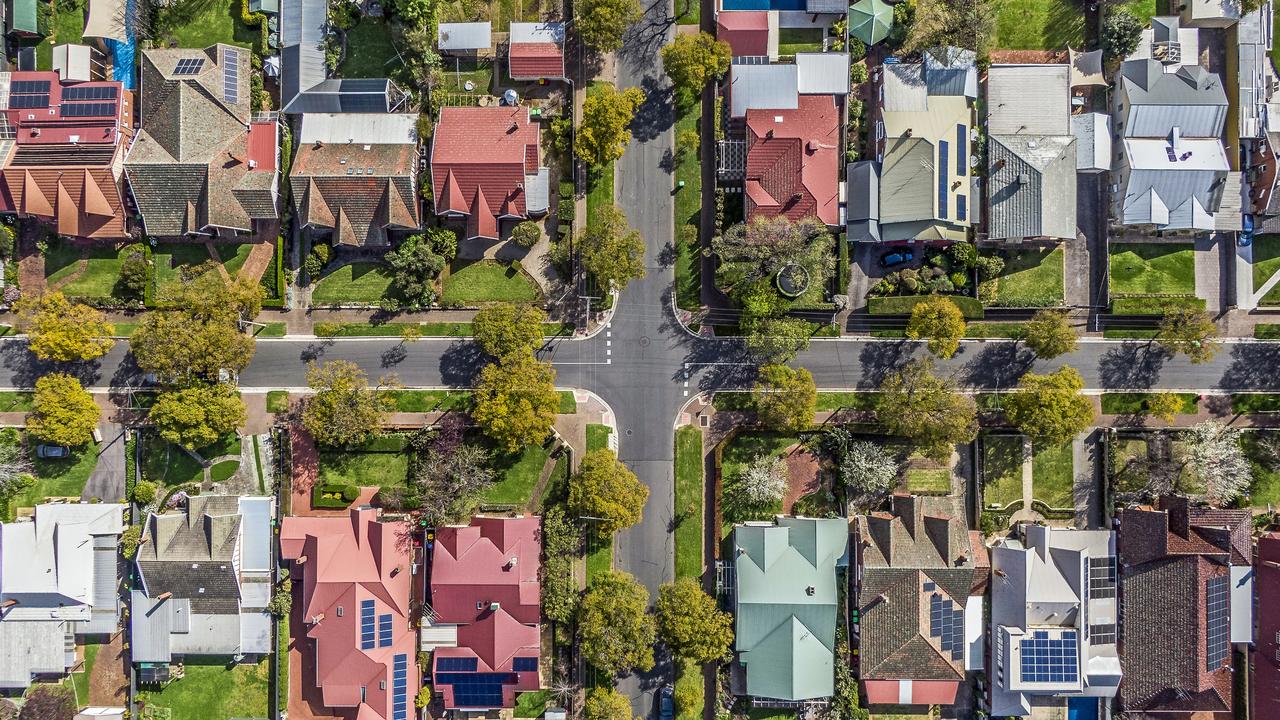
(644,341)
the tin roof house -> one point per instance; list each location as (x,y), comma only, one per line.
(305,85)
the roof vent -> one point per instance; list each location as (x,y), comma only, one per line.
(368,171)
(342,161)
(1023,179)
(368,147)
(350,171)
(812,146)
(777,118)
(512,562)
(810,590)
(514,127)
(35,132)
(253,164)
(495,607)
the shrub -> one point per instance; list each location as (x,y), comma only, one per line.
(959,279)
(6,240)
(964,254)
(134,274)
(443,242)
(144,492)
(857,49)
(526,234)
(129,541)
(857,76)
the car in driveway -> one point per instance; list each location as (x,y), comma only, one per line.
(52,452)
(897,257)
(666,706)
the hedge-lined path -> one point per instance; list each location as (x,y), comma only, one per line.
(260,256)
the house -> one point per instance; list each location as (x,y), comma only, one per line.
(1181,571)
(485,593)
(1209,13)
(750,33)
(793,161)
(784,597)
(486,168)
(58,582)
(464,38)
(63,151)
(205,583)
(202,164)
(535,51)
(1054,613)
(1265,656)
(925,124)
(305,85)
(352,579)
(779,86)
(1031,153)
(355,176)
(919,598)
(1171,169)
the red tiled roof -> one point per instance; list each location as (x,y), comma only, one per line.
(493,148)
(747,32)
(490,560)
(1266,661)
(262,146)
(85,202)
(792,163)
(536,60)
(922,692)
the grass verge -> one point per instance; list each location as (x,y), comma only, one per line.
(688,502)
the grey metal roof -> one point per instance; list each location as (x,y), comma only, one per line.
(907,179)
(364,128)
(30,647)
(302,35)
(1032,183)
(904,88)
(372,95)
(951,71)
(838,7)
(863,213)
(256,551)
(1093,141)
(1148,84)
(536,32)
(538,191)
(763,87)
(822,73)
(465,36)
(1028,99)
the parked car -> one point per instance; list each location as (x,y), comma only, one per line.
(52,451)
(666,707)
(896,257)
(1245,238)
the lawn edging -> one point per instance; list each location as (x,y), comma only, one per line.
(904,304)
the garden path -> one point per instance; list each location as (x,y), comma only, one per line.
(30,259)
(81,265)
(1028,487)
(1208,263)
(213,253)
(108,680)
(259,259)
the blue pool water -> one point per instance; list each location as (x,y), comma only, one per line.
(123,54)
(763,4)
(1082,709)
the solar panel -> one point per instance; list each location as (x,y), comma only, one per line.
(962,151)
(1102,577)
(525,664)
(962,209)
(477,689)
(1050,660)
(399,687)
(1218,621)
(366,625)
(27,102)
(23,87)
(98,92)
(384,630)
(88,110)
(943,180)
(189,66)
(456,664)
(231,76)
(946,622)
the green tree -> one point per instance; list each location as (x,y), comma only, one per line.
(144,492)
(691,623)
(65,413)
(938,24)
(206,296)
(506,328)
(182,348)
(526,234)
(414,269)
(606,114)
(1121,31)
(62,331)
(1163,405)
(1050,407)
(197,416)
(344,410)
(516,401)
(937,319)
(135,273)
(561,543)
(693,60)
(775,339)
(46,701)
(1190,332)
(917,405)
(612,252)
(785,398)
(616,631)
(605,488)
(606,703)
(602,23)
(1049,335)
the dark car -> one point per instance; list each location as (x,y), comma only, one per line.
(897,257)
(666,708)
(1246,232)
(52,451)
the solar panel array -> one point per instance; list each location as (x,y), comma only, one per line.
(366,625)
(189,66)
(962,151)
(98,92)
(400,687)
(1218,620)
(524,664)
(384,630)
(946,622)
(1102,577)
(231,76)
(1050,660)
(25,87)
(943,180)
(456,664)
(88,109)
(27,102)
(477,690)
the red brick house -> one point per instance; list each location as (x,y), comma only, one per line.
(793,161)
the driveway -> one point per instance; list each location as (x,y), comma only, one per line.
(107,481)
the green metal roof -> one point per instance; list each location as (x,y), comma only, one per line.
(786,605)
(23,17)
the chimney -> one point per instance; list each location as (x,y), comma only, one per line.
(8,603)
(907,133)
(495,606)
(315,620)
(164,595)
(319,144)
(810,590)
(302,560)
(512,563)
(998,571)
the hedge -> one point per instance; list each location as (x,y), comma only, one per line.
(903,304)
(334,496)
(1154,304)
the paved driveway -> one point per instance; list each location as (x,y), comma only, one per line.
(107,481)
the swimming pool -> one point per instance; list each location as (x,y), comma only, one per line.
(763,4)
(1082,708)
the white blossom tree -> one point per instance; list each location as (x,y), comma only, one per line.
(868,468)
(762,483)
(1212,454)
(15,470)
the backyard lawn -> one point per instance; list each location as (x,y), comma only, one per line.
(1130,457)
(66,26)
(1153,268)
(97,280)
(1144,10)
(64,477)
(1266,262)
(1039,25)
(1001,470)
(455,72)
(798,40)
(363,467)
(358,282)
(483,281)
(216,692)
(1053,474)
(928,481)
(517,477)
(1032,277)
(500,12)
(370,52)
(688,503)
(1265,490)
(201,23)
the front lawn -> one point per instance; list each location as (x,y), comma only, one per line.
(1265,489)
(172,259)
(1032,277)
(517,476)
(598,436)
(1136,403)
(369,466)
(64,477)
(430,400)
(358,282)
(738,454)
(1053,474)
(1153,268)
(167,464)
(483,281)
(66,26)
(370,52)
(201,23)
(1001,470)
(216,692)
(688,502)
(97,280)
(798,40)
(1266,262)
(1039,25)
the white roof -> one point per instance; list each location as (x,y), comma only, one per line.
(763,87)
(465,36)
(1241,603)
(541,32)
(822,73)
(1189,154)
(47,564)
(256,554)
(1093,141)
(106,20)
(72,62)
(1188,40)
(100,713)
(1028,100)
(359,128)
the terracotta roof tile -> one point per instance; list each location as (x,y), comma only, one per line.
(792,163)
(536,60)
(493,148)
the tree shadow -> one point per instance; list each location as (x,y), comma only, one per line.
(394,355)
(654,117)
(314,351)
(1253,367)
(460,363)
(878,359)
(1132,365)
(997,365)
